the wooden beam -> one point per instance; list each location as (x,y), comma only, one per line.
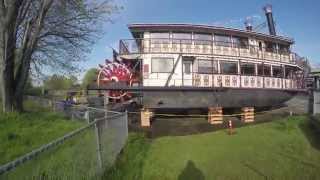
(215,115)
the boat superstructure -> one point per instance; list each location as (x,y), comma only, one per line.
(201,66)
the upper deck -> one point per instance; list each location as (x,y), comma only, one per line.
(207,40)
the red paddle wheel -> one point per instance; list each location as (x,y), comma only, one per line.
(112,73)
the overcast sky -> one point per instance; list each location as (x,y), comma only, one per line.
(294,18)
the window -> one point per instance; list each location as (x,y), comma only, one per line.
(228,67)
(284,49)
(277,71)
(184,38)
(271,47)
(248,69)
(222,40)
(158,38)
(203,39)
(205,66)
(267,70)
(260,69)
(162,65)
(187,67)
(289,72)
(240,42)
(260,46)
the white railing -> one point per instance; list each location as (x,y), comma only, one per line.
(137,46)
(229,81)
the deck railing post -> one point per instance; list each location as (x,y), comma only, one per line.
(149,45)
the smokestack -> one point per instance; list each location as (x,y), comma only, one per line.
(271,26)
(248,23)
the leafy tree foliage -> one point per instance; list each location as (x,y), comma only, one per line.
(90,77)
(37,35)
(59,82)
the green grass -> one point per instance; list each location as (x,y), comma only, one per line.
(131,161)
(74,159)
(21,133)
(282,149)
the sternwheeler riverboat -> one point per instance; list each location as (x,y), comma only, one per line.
(200,66)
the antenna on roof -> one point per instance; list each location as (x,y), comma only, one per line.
(248,23)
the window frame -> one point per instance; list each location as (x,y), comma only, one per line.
(212,64)
(281,71)
(272,48)
(160,40)
(189,63)
(227,43)
(243,64)
(181,40)
(243,42)
(284,49)
(258,72)
(292,69)
(202,41)
(264,72)
(228,62)
(163,58)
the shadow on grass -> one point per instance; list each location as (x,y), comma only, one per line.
(130,162)
(191,172)
(297,160)
(311,130)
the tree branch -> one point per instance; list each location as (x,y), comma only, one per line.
(2,8)
(25,8)
(29,44)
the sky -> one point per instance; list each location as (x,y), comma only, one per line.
(298,19)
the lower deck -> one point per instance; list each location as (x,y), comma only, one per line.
(158,97)
(215,97)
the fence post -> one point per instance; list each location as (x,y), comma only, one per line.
(126,123)
(99,160)
(87,115)
(72,112)
(53,105)
(105,104)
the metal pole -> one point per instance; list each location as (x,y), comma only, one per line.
(99,161)
(126,123)
(54,106)
(105,103)
(87,115)
(71,111)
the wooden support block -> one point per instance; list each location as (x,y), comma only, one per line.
(215,115)
(145,117)
(247,114)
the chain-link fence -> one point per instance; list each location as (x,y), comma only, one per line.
(82,154)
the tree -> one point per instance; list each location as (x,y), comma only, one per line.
(39,33)
(90,77)
(59,82)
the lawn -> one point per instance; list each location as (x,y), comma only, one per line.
(21,133)
(282,149)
